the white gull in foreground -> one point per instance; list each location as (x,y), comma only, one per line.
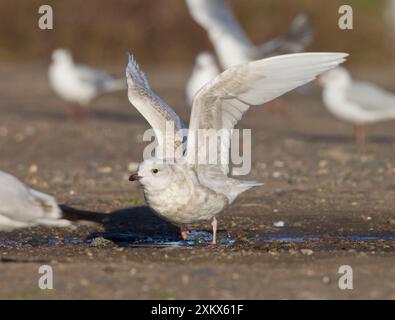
(22,207)
(183,191)
(79,84)
(356,102)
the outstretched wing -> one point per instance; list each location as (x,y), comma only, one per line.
(221,103)
(162,118)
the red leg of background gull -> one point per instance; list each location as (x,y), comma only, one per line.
(360,134)
(72,111)
(83,112)
(214,225)
(184,232)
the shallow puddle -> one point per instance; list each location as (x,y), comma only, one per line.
(196,238)
(301,239)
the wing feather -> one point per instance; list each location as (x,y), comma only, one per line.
(157,112)
(370,97)
(221,103)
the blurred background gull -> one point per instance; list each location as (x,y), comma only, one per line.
(233,46)
(101,31)
(318,182)
(166,40)
(79,84)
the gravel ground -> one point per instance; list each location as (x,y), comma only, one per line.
(335,199)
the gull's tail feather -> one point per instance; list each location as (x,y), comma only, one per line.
(241,186)
(51,212)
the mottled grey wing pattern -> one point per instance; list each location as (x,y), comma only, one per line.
(157,112)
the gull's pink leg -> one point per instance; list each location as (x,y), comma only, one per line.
(360,134)
(83,112)
(184,232)
(214,225)
(72,111)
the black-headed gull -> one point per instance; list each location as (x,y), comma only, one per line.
(356,102)
(188,190)
(79,84)
(231,43)
(22,207)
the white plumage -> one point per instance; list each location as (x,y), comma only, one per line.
(22,207)
(356,102)
(231,44)
(183,190)
(79,84)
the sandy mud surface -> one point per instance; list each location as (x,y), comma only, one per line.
(335,199)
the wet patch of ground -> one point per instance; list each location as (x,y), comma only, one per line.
(326,203)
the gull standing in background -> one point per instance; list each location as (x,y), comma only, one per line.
(356,102)
(205,69)
(185,189)
(231,43)
(79,84)
(22,207)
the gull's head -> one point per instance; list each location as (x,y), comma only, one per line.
(61,56)
(154,174)
(338,77)
(204,60)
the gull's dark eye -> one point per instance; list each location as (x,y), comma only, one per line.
(155,171)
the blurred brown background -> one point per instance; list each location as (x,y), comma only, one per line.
(162,31)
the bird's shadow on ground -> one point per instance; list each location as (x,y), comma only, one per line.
(126,226)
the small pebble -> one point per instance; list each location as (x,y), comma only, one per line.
(33,169)
(101,242)
(279,224)
(105,170)
(326,280)
(307,252)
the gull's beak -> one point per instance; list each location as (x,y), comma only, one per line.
(135,177)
